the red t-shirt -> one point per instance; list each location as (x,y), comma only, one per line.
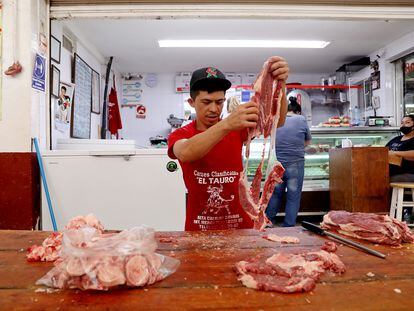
(212,183)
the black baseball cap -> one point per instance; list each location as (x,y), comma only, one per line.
(208,76)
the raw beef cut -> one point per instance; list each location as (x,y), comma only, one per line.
(380,229)
(49,250)
(90,259)
(288,273)
(329,246)
(281,239)
(267,96)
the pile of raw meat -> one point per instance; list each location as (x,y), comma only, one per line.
(380,229)
(92,260)
(268,96)
(49,250)
(288,273)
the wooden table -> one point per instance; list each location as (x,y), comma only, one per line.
(206,280)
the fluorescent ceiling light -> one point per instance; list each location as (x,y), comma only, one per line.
(301,44)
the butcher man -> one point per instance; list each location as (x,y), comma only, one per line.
(209,150)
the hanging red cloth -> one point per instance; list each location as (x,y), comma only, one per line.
(114,115)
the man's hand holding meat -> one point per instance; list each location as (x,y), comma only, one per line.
(244,116)
(279,68)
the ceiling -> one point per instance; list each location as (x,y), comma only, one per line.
(133,42)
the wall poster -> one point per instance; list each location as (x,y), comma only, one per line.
(131,93)
(82,100)
(62,107)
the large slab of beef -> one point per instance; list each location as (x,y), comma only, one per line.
(288,273)
(50,248)
(380,229)
(268,97)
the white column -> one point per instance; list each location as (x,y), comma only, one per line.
(20,103)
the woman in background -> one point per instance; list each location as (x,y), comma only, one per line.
(403,147)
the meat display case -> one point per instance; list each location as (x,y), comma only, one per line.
(316,183)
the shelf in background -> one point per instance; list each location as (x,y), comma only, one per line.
(305,86)
(317,86)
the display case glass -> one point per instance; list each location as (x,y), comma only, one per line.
(317,153)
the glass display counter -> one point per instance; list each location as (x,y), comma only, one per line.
(317,153)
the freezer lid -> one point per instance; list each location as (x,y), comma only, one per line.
(134,152)
(94,144)
(78,153)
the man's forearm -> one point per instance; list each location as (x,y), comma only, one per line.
(199,145)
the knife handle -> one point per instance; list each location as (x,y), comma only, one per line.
(313,228)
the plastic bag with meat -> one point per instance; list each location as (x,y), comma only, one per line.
(92,260)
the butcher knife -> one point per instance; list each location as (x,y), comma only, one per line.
(318,230)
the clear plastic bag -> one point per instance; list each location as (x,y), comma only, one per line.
(92,260)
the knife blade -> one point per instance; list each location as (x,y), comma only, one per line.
(318,230)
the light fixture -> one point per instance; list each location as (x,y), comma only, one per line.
(300,44)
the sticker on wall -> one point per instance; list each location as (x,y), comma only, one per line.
(245,96)
(39,73)
(141,111)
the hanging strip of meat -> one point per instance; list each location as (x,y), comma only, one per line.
(268,96)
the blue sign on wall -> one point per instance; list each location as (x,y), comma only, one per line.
(39,73)
(245,96)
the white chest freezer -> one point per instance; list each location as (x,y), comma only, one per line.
(123,188)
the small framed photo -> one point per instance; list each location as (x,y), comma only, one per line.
(375,80)
(96,92)
(368,94)
(55,81)
(55,49)
(63,105)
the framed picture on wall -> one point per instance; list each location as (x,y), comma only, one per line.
(375,80)
(55,49)
(63,106)
(367,94)
(55,81)
(96,92)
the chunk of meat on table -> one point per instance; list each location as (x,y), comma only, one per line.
(277,284)
(329,246)
(288,273)
(282,239)
(375,228)
(48,251)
